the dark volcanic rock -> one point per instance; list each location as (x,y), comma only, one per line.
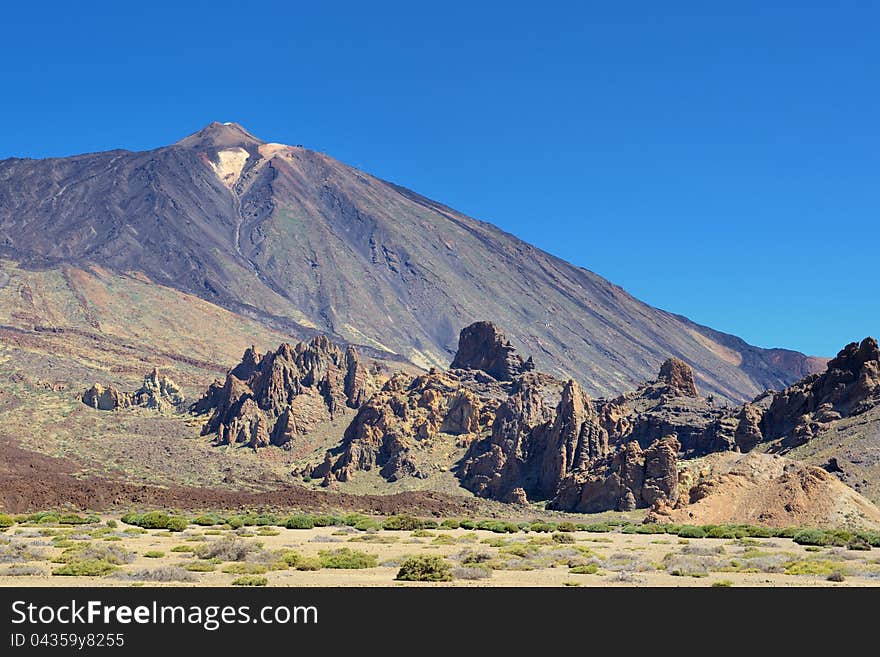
(482,346)
(284,393)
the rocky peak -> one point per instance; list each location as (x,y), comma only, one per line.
(483,346)
(854,356)
(679,376)
(219,136)
(272,398)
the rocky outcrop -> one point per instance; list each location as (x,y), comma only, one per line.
(482,346)
(158,392)
(679,377)
(405,417)
(273,398)
(849,386)
(533,444)
(627,479)
(105,399)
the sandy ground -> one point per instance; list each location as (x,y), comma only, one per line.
(523,559)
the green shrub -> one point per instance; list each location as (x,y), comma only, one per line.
(208,520)
(786,532)
(402,523)
(650,528)
(154,520)
(691,531)
(563,538)
(291,558)
(347,558)
(200,566)
(367,524)
(872,538)
(542,527)
(6,521)
(722,583)
(235,522)
(467,524)
(720,531)
(154,554)
(300,522)
(183,548)
(177,524)
(327,521)
(308,563)
(810,537)
(755,531)
(243,568)
(587,569)
(112,524)
(566,527)
(599,528)
(450,523)
(810,568)
(86,568)
(424,568)
(252,580)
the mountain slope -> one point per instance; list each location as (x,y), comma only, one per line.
(304,243)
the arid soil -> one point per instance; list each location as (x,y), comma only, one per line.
(477,558)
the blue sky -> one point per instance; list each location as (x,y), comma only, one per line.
(718,160)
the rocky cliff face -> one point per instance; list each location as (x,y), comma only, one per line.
(158,393)
(270,399)
(529,436)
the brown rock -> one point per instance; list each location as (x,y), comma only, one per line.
(482,346)
(679,377)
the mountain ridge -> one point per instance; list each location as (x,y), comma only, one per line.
(307,244)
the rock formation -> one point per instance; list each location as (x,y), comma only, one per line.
(849,386)
(627,479)
(105,399)
(270,399)
(482,346)
(158,392)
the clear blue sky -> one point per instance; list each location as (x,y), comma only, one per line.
(719,160)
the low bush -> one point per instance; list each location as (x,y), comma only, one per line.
(176,524)
(402,523)
(226,549)
(252,580)
(23,570)
(113,554)
(86,568)
(450,523)
(154,554)
(810,537)
(722,584)
(208,520)
(346,558)
(836,576)
(6,521)
(599,528)
(300,522)
(563,538)
(585,569)
(242,568)
(810,568)
(308,563)
(200,566)
(367,524)
(691,531)
(467,524)
(471,572)
(858,543)
(424,568)
(163,574)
